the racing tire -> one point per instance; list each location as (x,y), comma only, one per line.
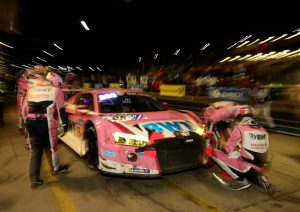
(92,154)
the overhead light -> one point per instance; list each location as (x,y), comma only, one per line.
(4,44)
(235,58)
(91,68)
(269,38)
(282,36)
(253,42)
(227,58)
(6,54)
(83,23)
(298,33)
(36,62)
(242,58)
(205,46)
(48,53)
(57,46)
(78,68)
(245,38)
(26,66)
(41,59)
(297,30)
(176,52)
(243,44)
(140,59)
(99,68)
(231,46)
(15,66)
(155,56)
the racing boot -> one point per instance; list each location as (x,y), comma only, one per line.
(266,185)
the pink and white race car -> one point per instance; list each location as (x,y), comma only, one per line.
(128,132)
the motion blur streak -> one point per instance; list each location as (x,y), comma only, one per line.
(57,190)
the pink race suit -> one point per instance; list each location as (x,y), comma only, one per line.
(21,92)
(246,142)
(244,145)
(44,111)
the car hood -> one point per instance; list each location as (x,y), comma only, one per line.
(149,116)
(164,122)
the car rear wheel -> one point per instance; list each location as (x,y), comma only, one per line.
(92,154)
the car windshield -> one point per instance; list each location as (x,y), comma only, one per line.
(125,103)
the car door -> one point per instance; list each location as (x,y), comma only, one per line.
(79,113)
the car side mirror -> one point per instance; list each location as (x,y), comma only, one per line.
(82,107)
(74,109)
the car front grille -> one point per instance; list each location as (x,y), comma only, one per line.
(179,153)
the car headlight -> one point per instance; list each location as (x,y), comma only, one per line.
(130,140)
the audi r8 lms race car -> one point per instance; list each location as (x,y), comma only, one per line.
(128,132)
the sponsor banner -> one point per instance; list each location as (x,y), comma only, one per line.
(172,90)
(86,85)
(131,81)
(144,81)
(114,85)
(229,93)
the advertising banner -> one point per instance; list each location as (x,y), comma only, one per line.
(172,90)
(114,85)
(144,81)
(131,81)
(229,93)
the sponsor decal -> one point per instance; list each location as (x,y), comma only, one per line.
(257,141)
(124,117)
(39,89)
(190,140)
(260,137)
(171,126)
(140,170)
(258,145)
(108,153)
(228,93)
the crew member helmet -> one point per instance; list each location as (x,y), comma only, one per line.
(36,71)
(49,69)
(70,76)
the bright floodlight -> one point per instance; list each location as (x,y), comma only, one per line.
(4,44)
(57,46)
(85,25)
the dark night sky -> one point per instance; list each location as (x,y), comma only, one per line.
(122,30)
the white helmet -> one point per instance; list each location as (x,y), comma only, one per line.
(55,79)
(36,72)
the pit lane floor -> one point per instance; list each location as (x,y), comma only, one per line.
(83,189)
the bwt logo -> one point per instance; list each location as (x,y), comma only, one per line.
(257,136)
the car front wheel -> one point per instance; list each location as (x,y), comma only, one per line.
(92,154)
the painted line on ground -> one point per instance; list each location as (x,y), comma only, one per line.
(63,201)
(188,195)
